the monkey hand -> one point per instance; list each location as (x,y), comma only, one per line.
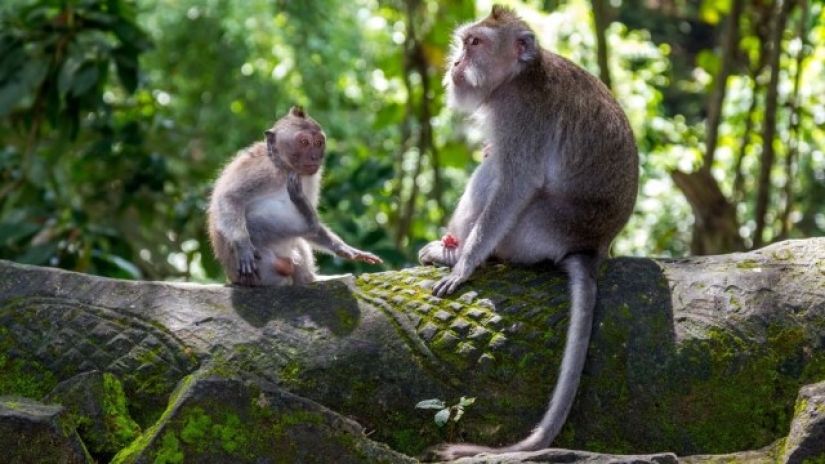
(247,257)
(354,254)
(442,252)
(448,284)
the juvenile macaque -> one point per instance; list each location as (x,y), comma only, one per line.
(262,214)
(558,181)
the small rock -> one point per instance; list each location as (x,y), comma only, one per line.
(31,431)
(806,440)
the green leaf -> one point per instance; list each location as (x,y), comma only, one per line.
(12,58)
(131,35)
(126,65)
(431,404)
(466,401)
(39,254)
(65,78)
(441,417)
(85,78)
(458,413)
(709,61)
(455,155)
(10,95)
(127,267)
(12,232)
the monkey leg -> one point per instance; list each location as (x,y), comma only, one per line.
(275,269)
(304,263)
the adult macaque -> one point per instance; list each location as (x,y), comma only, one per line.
(262,214)
(558,182)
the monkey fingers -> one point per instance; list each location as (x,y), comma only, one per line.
(247,257)
(436,252)
(447,285)
(367,257)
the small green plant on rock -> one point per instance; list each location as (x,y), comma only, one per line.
(447,414)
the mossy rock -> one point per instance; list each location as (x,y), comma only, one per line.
(33,432)
(694,356)
(230,420)
(97,405)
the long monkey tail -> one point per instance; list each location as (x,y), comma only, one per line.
(581,269)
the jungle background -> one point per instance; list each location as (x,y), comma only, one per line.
(116,116)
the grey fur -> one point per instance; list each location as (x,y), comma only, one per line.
(559,183)
(263,208)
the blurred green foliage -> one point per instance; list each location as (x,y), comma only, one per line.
(116,115)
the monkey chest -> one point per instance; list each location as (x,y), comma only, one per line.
(276,210)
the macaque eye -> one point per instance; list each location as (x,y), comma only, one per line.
(319,144)
(304,142)
(475,41)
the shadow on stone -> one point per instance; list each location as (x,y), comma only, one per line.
(261,305)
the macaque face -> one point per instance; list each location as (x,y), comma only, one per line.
(307,152)
(480,62)
(297,147)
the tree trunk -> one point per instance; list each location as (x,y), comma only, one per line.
(769,128)
(601,19)
(715,227)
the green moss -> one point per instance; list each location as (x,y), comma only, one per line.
(801,406)
(169,451)
(815,460)
(748,264)
(346,319)
(231,434)
(409,441)
(118,421)
(200,431)
(21,376)
(744,399)
(289,373)
(131,452)
(196,428)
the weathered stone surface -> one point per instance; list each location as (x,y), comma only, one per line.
(32,432)
(97,404)
(216,419)
(569,456)
(768,455)
(807,438)
(695,356)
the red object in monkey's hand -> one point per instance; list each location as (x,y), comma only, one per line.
(449,241)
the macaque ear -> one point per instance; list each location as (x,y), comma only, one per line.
(527,47)
(298,112)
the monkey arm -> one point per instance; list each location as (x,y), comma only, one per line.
(327,240)
(231,223)
(498,217)
(296,194)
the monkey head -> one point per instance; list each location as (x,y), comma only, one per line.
(296,142)
(485,55)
